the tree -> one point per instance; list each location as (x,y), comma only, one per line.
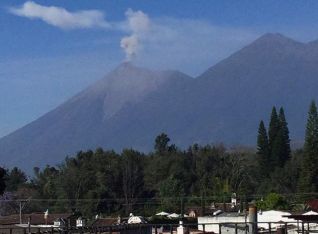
(279,142)
(281,148)
(263,150)
(76,178)
(276,201)
(308,181)
(8,204)
(106,165)
(132,170)
(159,163)
(285,137)
(171,193)
(273,128)
(15,178)
(2,180)
(273,201)
(161,144)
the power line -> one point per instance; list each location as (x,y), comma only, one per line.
(149,200)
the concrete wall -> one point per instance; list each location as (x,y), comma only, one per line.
(212,223)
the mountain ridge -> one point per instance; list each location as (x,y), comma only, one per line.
(130,106)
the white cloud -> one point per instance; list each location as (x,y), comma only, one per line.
(139,22)
(61,18)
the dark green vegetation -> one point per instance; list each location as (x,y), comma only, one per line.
(105,182)
(2,180)
(273,201)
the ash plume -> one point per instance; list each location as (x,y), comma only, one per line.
(139,24)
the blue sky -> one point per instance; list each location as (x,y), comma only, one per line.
(50,50)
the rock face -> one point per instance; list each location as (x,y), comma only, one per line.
(131,106)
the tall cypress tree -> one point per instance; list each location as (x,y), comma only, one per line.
(284,135)
(277,150)
(308,181)
(272,134)
(281,148)
(263,150)
(273,127)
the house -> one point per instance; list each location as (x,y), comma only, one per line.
(211,223)
(37,219)
(267,221)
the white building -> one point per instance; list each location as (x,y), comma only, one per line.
(227,222)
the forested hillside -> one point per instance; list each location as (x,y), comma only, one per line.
(110,183)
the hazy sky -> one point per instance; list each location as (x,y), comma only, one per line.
(52,49)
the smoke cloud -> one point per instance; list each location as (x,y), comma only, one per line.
(139,24)
(61,18)
(131,45)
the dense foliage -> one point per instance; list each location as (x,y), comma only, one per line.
(110,183)
(273,201)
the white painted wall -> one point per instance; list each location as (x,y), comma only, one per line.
(215,220)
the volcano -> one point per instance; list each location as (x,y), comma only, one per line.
(130,106)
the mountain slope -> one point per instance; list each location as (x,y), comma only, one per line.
(272,71)
(74,125)
(131,106)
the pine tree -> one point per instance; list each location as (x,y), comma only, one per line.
(273,128)
(263,150)
(272,134)
(283,134)
(280,152)
(308,182)
(277,151)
